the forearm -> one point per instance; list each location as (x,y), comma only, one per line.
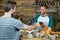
(55,32)
(31,27)
(26,27)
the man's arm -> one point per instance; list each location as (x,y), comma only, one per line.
(31,27)
(50,22)
(55,32)
(19,25)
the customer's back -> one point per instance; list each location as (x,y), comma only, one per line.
(7,29)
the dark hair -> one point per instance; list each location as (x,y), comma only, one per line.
(44,5)
(41,23)
(9,5)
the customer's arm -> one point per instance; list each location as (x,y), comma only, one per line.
(31,27)
(19,25)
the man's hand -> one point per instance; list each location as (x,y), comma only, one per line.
(37,25)
(31,27)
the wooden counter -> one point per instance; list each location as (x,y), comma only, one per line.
(32,39)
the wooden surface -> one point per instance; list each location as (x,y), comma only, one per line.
(32,39)
(37,38)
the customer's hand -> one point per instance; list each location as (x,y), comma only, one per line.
(37,25)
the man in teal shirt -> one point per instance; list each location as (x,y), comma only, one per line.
(43,17)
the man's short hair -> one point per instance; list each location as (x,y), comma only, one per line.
(9,5)
(44,5)
(41,23)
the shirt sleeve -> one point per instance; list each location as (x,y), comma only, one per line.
(50,22)
(18,24)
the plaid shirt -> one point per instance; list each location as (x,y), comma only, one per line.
(8,28)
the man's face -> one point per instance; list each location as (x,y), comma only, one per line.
(13,10)
(42,10)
